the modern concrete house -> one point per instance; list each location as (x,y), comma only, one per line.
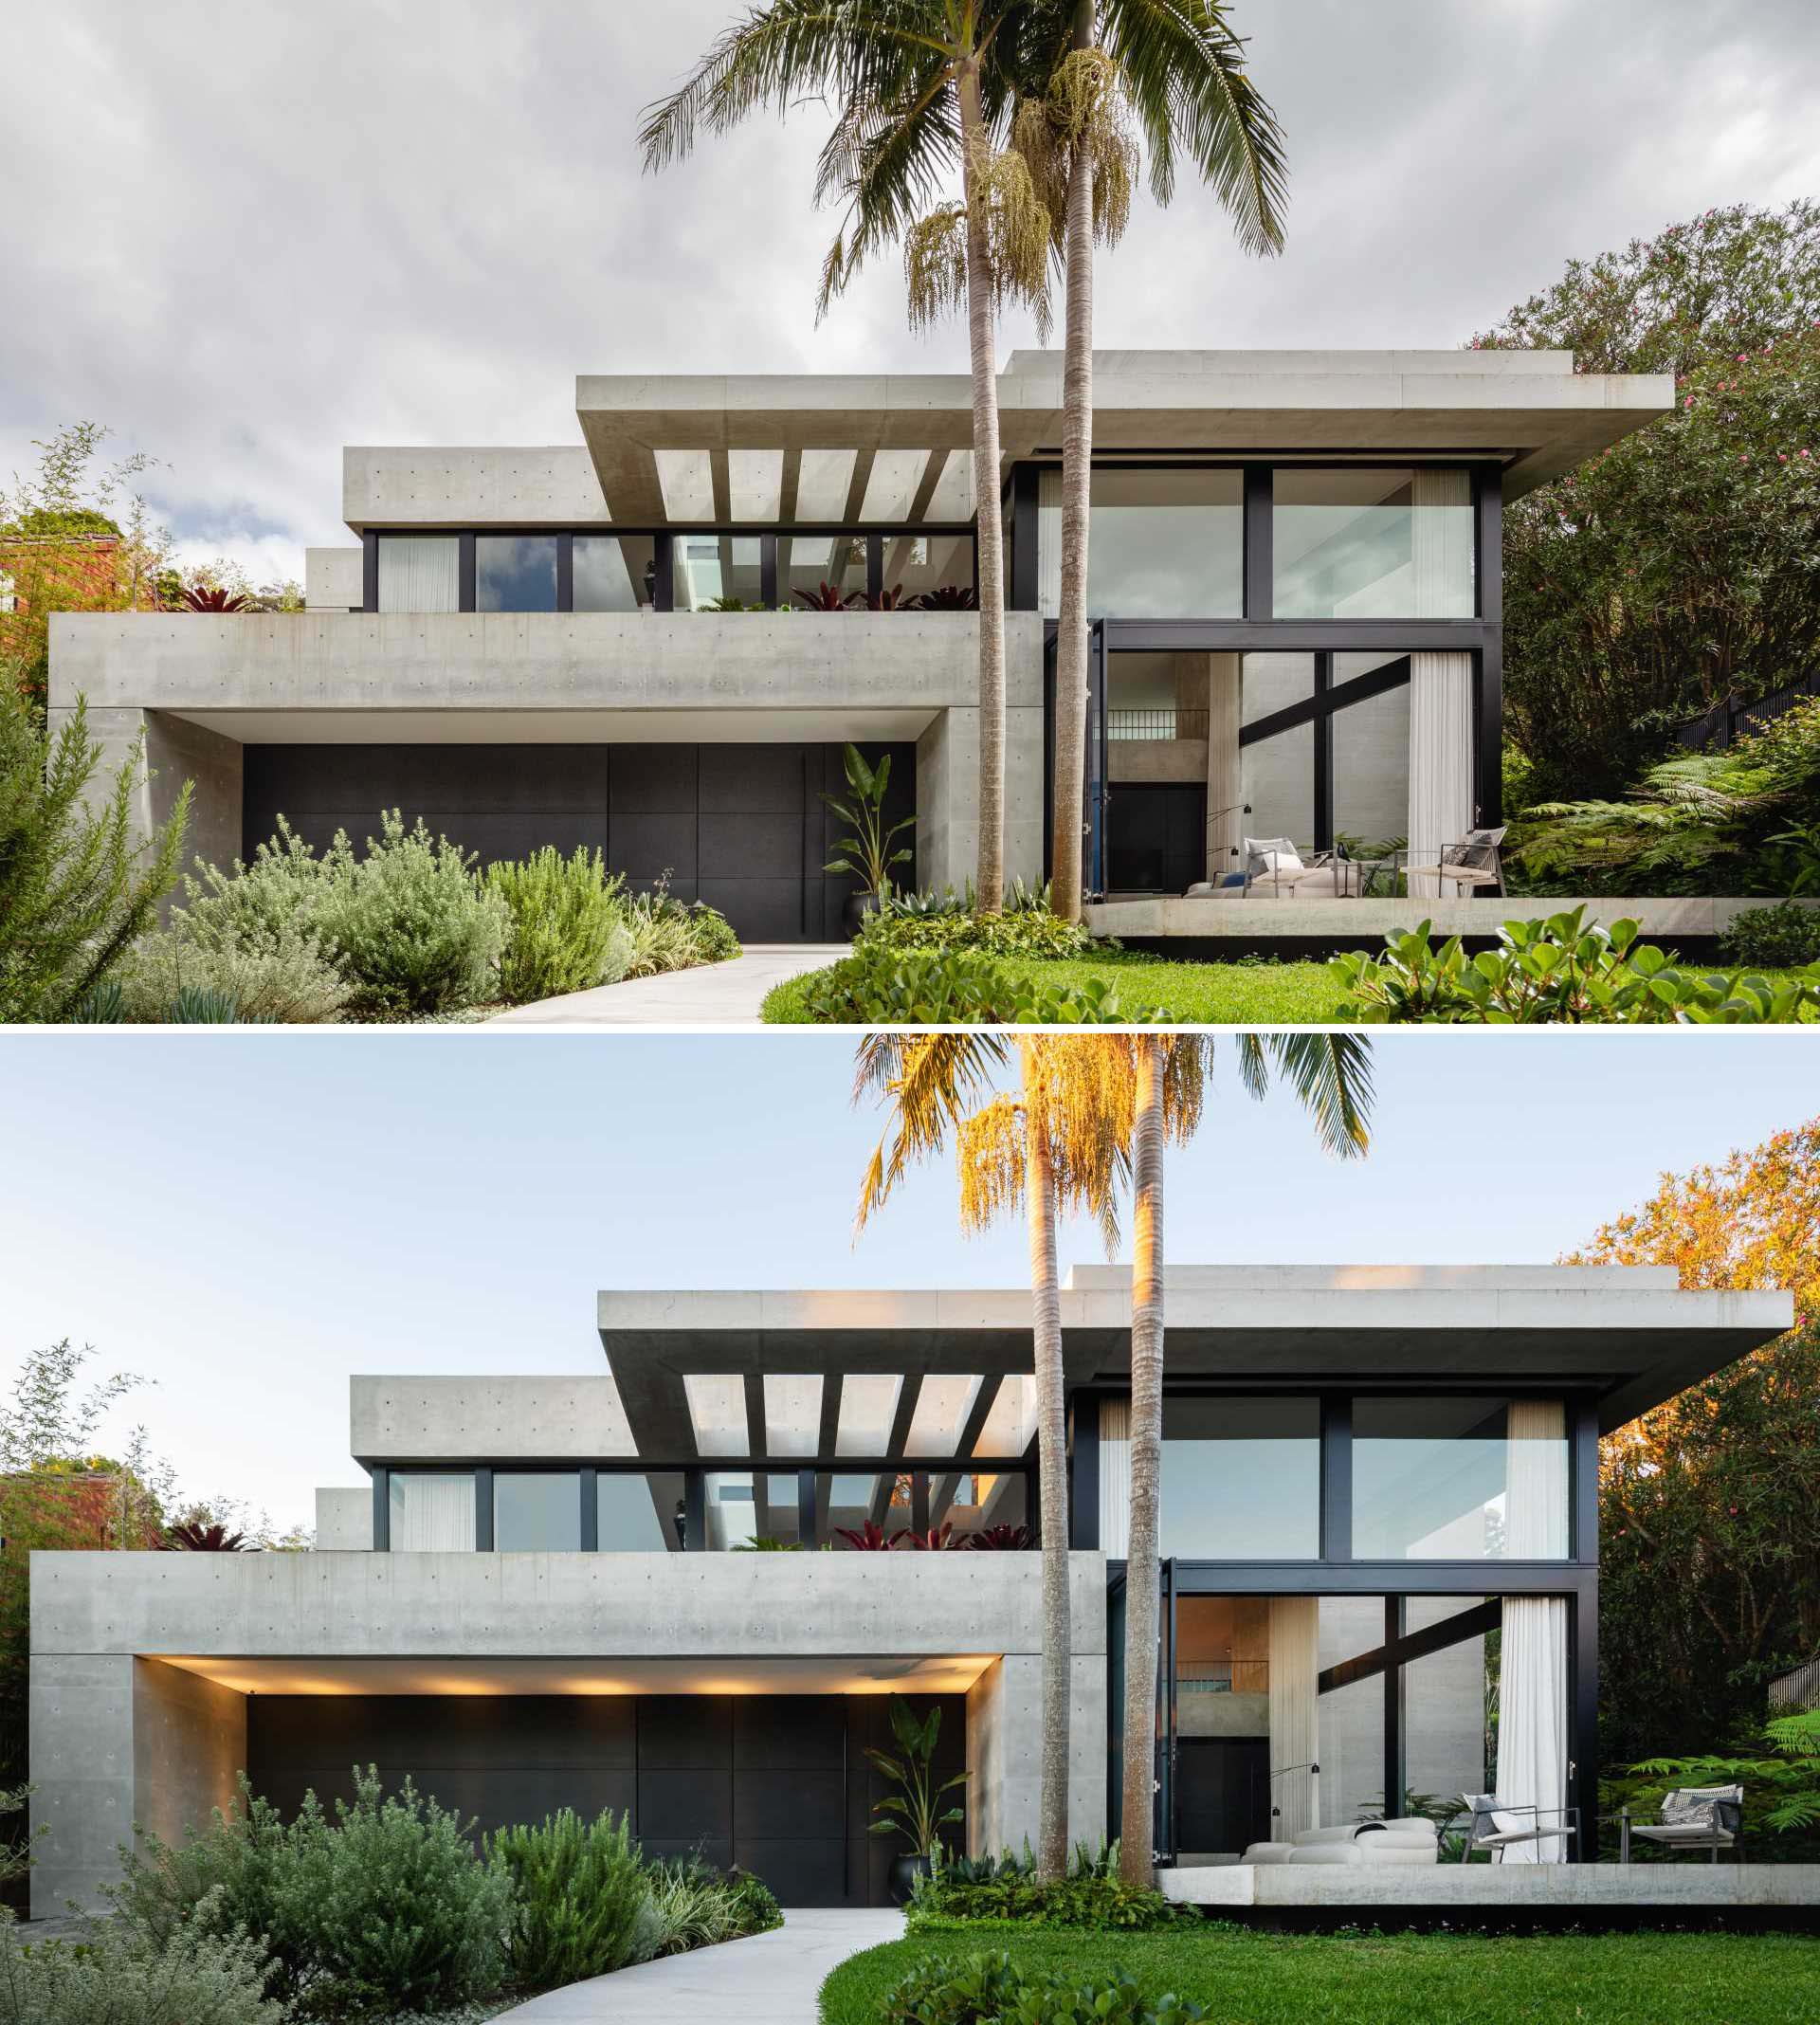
(1295,581)
(1379,1573)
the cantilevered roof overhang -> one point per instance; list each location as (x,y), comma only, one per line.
(813,448)
(1630,1334)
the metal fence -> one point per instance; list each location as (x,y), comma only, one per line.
(1726,722)
(1161,722)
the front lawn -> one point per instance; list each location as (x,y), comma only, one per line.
(1215,995)
(1254,1979)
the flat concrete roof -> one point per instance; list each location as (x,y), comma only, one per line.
(682,447)
(1631,1335)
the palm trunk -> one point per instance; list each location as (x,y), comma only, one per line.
(1077,468)
(1137,1827)
(989,875)
(1052,1436)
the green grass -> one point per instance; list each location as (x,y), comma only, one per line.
(1253,1978)
(1210,994)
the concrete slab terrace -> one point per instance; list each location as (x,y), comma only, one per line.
(1178,925)
(712,994)
(1682,1891)
(768,1980)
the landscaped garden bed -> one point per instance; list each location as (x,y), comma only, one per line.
(1245,1978)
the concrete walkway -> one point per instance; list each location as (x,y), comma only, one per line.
(712,994)
(769,1979)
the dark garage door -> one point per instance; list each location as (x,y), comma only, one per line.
(741,827)
(779,1784)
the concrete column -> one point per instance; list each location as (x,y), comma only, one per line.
(1005,1753)
(119,1744)
(1225,775)
(948,797)
(175,751)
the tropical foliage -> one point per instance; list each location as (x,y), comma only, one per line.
(916,1809)
(1709,1505)
(971,1989)
(866,853)
(1677,568)
(1564,970)
(880,985)
(1781,1782)
(1092,1894)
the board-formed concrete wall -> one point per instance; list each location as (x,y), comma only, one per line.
(117,1737)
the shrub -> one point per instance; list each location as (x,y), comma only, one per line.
(1007,1887)
(1033,931)
(712,934)
(409,924)
(385,1906)
(76,891)
(1558,969)
(579,1894)
(287,979)
(878,985)
(670,934)
(987,1989)
(258,905)
(1779,937)
(194,1978)
(696,1905)
(561,918)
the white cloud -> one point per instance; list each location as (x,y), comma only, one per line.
(247,245)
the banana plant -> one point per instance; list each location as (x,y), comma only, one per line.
(915,1810)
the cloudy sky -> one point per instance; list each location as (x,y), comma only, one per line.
(243,237)
(245,1218)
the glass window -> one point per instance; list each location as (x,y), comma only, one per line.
(537,1511)
(822,572)
(629,1507)
(1459,1479)
(1162,543)
(432,1512)
(930,573)
(1350,1719)
(1279,778)
(1354,543)
(1370,763)
(742,1509)
(515,573)
(1241,1479)
(1449,1709)
(420,572)
(614,572)
(716,572)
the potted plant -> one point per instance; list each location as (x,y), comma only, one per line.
(866,853)
(915,1810)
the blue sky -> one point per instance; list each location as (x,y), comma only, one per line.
(247,1218)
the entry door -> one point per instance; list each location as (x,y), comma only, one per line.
(1222,1792)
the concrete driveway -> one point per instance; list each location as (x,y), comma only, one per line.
(713,994)
(770,1979)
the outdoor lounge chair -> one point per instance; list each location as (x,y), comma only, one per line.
(1476,860)
(1692,1817)
(1496,1826)
(1277,862)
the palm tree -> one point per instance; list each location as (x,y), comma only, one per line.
(1331,1076)
(1063,1140)
(920,92)
(1175,70)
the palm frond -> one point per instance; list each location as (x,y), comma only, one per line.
(1331,1074)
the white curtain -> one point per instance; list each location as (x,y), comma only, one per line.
(1048,541)
(1295,1727)
(1532,1695)
(1115,1478)
(420,572)
(1441,544)
(1440,759)
(432,1514)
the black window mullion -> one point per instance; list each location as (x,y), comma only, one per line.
(808,1523)
(465,594)
(565,573)
(695,1510)
(483,1511)
(1323,752)
(768,571)
(1259,566)
(1396,1757)
(1335,1477)
(589,1509)
(663,560)
(369,571)
(1083,1477)
(874,569)
(382,1511)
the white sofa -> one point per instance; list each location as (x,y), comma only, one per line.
(1410,1840)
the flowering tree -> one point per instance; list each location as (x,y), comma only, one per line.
(1709,1505)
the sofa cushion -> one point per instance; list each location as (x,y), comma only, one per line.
(1341,1852)
(1268,1852)
(1397,1849)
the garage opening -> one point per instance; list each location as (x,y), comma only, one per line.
(777,1783)
(743,828)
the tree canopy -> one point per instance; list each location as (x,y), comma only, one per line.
(1709,1505)
(1682,566)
